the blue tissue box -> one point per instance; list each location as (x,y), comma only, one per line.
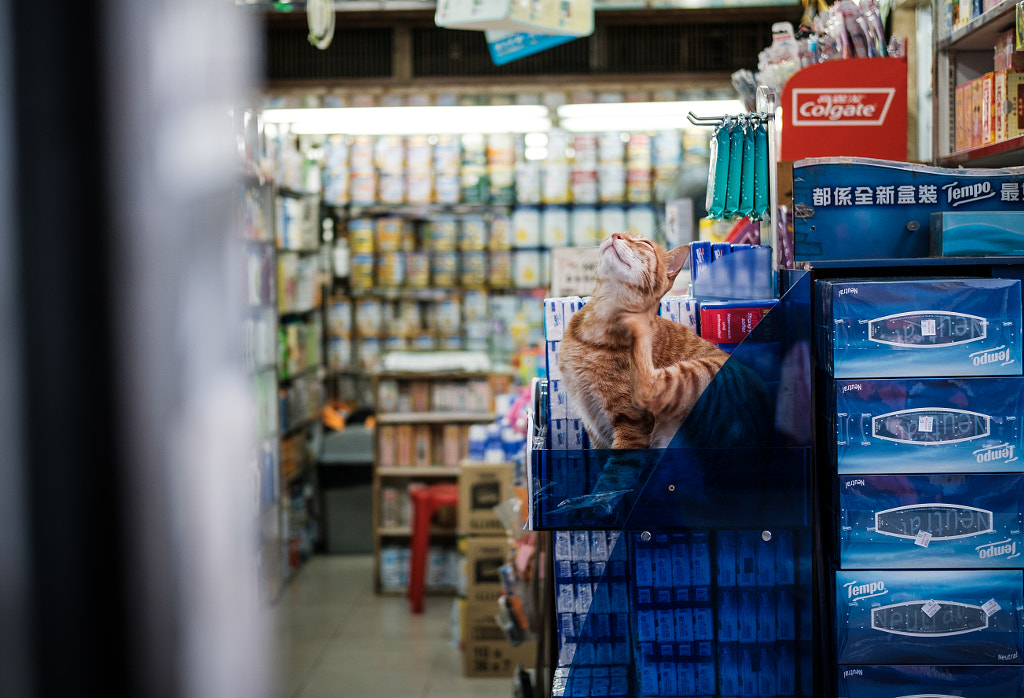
(930,617)
(977,233)
(932,425)
(935,681)
(931,521)
(920,327)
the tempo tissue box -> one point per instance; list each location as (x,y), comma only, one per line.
(930,617)
(934,681)
(933,425)
(931,521)
(920,327)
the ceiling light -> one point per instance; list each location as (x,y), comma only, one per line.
(640,116)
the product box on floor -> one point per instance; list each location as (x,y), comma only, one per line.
(931,617)
(486,650)
(919,327)
(482,560)
(483,486)
(931,521)
(934,425)
(930,681)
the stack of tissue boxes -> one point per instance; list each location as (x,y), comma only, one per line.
(923,407)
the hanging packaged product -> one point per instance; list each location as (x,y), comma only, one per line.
(746,207)
(762,176)
(732,192)
(718,178)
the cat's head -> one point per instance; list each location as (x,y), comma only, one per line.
(637,271)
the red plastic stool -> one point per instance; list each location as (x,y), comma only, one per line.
(425,503)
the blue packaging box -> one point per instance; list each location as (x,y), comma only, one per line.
(919,327)
(934,681)
(931,617)
(931,521)
(936,425)
(977,233)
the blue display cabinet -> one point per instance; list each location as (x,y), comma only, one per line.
(690,571)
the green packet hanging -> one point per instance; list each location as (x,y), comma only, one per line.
(746,207)
(732,193)
(718,175)
(762,193)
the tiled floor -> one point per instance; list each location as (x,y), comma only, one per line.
(336,637)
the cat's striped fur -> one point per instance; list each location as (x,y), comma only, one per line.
(635,376)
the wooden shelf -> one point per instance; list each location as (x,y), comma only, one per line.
(434,417)
(981,32)
(1007,153)
(406,532)
(413,472)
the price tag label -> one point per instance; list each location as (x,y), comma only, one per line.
(991,607)
(928,328)
(926,424)
(923,538)
(930,608)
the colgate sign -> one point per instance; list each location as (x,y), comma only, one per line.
(853,107)
(842,107)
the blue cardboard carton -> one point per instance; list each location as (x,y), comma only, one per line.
(861,208)
(920,327)
(931,617)
(931,521)
(932,681)
(933,425)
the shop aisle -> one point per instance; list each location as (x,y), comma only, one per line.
(335,637)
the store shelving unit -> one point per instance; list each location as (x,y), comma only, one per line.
(255,209)
(423,422)
(300,364)
(964,54)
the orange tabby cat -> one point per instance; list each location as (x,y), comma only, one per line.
(635,377)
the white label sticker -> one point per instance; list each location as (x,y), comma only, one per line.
(923,538)
(991,607)
(926,424)
(930,608)
(928,328)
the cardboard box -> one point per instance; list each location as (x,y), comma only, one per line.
(486,650)
(482,559)
(935,425)
(930,617)
(931,521)
(919,327)
(961,102)
(483,486)
(886,681)
(988,125)
(977,234)
(977,99)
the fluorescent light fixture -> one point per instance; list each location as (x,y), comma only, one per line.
(514,118)
(640,116)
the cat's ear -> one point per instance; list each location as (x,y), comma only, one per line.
(675,260)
